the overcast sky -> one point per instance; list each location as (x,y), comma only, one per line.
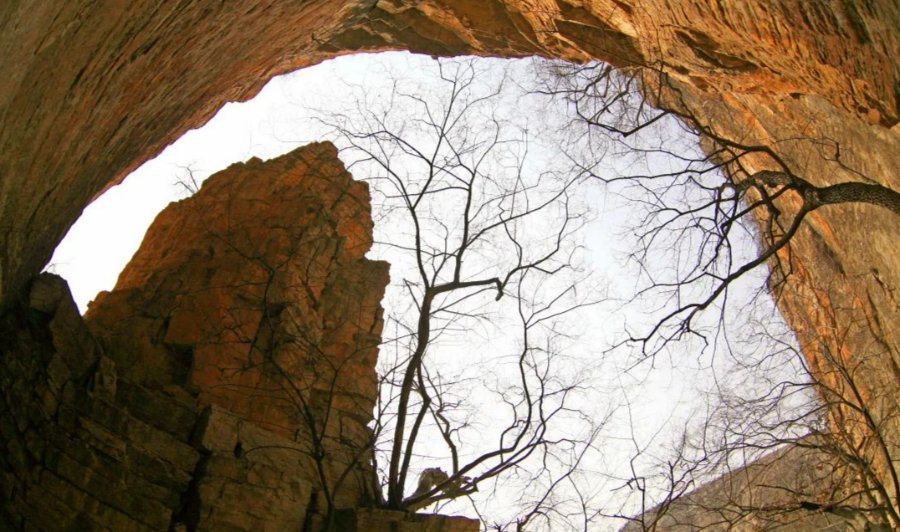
(648,406)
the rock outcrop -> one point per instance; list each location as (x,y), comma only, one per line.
(255,294)
(226,383)
(261,275)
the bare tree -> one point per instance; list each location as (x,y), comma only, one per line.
(830,414)
(484,234)
(483,228)
(808,450)
(188,182)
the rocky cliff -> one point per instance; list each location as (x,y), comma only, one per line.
(92,89)
(258,279)
(227,381)
(255,295)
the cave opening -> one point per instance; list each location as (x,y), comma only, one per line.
(639,423)
(800,97)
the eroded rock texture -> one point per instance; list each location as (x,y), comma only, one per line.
(261,274)
(255,294)
(224,384)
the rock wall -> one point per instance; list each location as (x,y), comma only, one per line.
(82,449)
(227,381)
(255,295)
(259,276)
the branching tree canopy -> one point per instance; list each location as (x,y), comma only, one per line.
(487,227)
(693,212)
(690,201)
(481,389)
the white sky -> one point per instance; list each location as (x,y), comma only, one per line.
(277,120)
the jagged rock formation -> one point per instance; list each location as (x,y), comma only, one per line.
(224,384)
(90,91)
(265,267)
(255,294)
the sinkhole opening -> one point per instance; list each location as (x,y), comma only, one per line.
(570,334)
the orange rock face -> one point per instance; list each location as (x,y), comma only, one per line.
(226,383)
(256,293)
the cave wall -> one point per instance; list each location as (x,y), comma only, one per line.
(92,89)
